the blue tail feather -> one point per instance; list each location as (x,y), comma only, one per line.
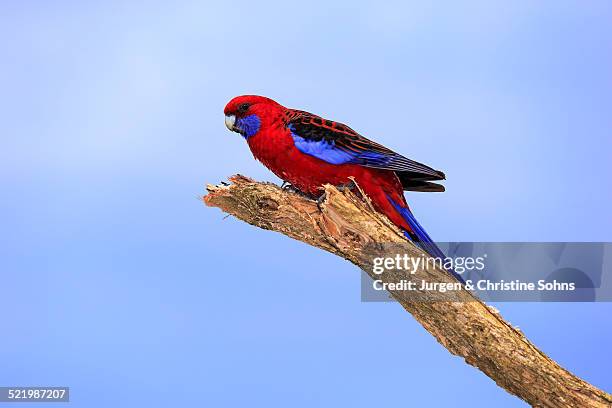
(423,239)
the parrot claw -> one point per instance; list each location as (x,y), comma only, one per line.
(347,186)
(350,186)
(286,186)
(321,199)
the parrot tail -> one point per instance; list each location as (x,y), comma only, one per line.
(419,236)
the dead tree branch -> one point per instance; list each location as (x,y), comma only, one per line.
(344,225)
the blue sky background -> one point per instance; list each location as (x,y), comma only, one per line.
(117,282)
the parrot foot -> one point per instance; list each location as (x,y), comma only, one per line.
(321,199)
(350,186)
(286,186)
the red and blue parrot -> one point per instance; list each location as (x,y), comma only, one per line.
(309,151)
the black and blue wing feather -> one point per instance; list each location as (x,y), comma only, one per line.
(336,143)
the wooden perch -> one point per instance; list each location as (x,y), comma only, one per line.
(345,225)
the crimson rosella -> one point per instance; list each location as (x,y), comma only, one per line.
(308,152)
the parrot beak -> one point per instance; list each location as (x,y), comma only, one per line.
(229,122)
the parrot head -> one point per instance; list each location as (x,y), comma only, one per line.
(245,114)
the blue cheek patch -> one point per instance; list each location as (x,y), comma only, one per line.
(249,125)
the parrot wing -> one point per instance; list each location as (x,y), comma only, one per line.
(337,143)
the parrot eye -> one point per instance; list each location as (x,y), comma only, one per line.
(243,107)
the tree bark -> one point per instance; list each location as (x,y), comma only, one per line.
(346,225)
